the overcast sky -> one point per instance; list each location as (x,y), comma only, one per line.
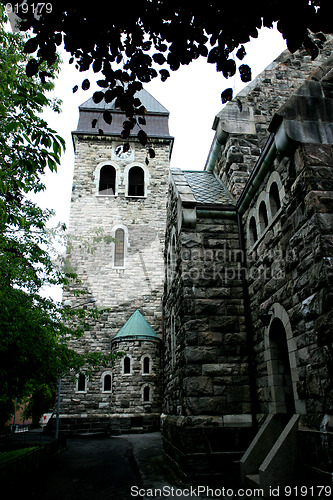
(192,95)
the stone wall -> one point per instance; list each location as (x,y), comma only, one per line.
(249,289)
(128,388)
(120,290)
(257,103)
(144,219)
(207,401)
(290,265)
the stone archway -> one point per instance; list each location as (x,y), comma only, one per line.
(280,355)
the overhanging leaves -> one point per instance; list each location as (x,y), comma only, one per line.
(132,46)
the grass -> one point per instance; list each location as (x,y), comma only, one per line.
(6,456)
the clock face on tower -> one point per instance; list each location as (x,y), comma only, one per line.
(123,151)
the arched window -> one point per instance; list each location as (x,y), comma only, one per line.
(136,182)
(253,236)
(146,394)
(107,383)
(146,365)
(107,180)
(119,248)
(274,198)
(263,220)
(81,383)
(127,365)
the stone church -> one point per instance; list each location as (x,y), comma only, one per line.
(218,282)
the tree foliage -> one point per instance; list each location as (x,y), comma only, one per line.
(33,334)
(132,45)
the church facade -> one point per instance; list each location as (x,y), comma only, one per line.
(218,282)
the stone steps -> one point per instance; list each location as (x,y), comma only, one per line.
(252,480)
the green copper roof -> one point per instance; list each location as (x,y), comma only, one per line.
(136,326)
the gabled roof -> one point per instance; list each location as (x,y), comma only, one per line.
(136,326)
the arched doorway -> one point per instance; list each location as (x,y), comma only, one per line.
(282,367)
(282,387)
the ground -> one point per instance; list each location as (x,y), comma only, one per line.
(123,467)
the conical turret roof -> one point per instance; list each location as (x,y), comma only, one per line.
(136,326)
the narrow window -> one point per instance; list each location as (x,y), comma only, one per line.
(146,365)
(119,248)
(263,221)
(107,383)
(274,198)
(146,394)
(107,180)
(252,231)
(127,364)
(172,341)
(136,182)
(173,257)
(81,383)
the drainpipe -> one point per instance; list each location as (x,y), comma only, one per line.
(248,325)
(258,173)
(278,141)
(219,140)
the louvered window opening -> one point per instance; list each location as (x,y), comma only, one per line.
(119,248)
(107,180)
(136,182)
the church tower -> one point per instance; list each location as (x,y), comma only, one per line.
(117,228)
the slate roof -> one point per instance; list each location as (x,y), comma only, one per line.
(207,188)
(157,117)
(149,102)
(136,326)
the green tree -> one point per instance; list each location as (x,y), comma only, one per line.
(34,330)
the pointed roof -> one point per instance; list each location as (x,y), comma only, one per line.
(136,326)
(157,118)
(147,100)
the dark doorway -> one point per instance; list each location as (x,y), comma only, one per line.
(282,381)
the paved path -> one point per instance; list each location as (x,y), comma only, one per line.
(126,467)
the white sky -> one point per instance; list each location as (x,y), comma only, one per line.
(192,95)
